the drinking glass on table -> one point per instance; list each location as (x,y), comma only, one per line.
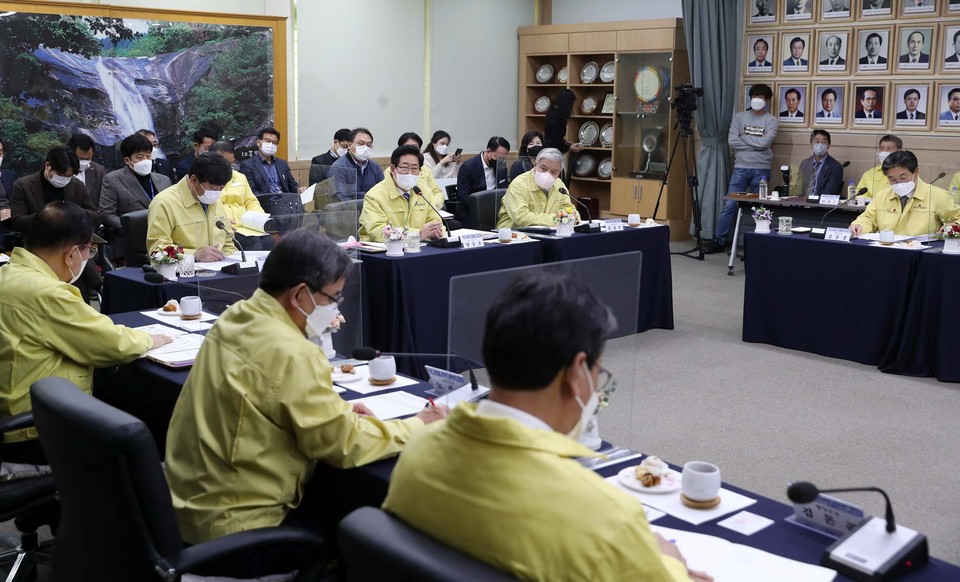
(187,266)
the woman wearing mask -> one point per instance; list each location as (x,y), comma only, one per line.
(530,145)
(437,156)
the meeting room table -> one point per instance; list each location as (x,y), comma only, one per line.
(126,290)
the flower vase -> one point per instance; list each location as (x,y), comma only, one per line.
(394,248)
(951,246)
(564,229)
(762,226)
(590,436)
(326,342)
(168,270)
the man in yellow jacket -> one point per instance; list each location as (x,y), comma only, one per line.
(874,179)
(393,201)
(500,481)
(909,206)
(238,198)
(534,198)
(46,328)
(428,184)
(186,213)
(259,410)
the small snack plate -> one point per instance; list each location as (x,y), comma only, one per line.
(800,229)
(669,483)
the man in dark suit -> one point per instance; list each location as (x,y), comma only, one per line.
(821,173)
(955,57)
(91,173)
(760,48)
(915,52)
(267,173)
(834,44)
(792,99)
(203,138)
(132,187)
(484,171)
(797,45)
(911,99)
(355,173)
(872,44)
(868,103)
(320,165)
(160,165)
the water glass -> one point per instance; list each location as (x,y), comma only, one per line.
(786,225)
(411,242)
(187,266)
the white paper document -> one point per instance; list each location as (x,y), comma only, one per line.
(746,523)
(876,236)
(393,404)
(729,562)
(157,329)
(181,352)
(670,503)
(465,231)
(254,220)
(307,195)
(185,324)
(360,382)
(231,259)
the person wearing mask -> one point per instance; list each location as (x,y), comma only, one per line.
(258,411)
(530,145)
(427,182)
(320,165)
(161,165)
(133,186)
(555,128)
(751,136)
(485,171)
(821,173)
(874,179)
(266,173)
(546,381)
(354,173)
(438,158)
(393,201)
(909,206)
(237,198)
(91,173)
(536,197)
(46,329)
(203,138)
(186,213)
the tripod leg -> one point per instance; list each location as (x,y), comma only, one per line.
(736,237)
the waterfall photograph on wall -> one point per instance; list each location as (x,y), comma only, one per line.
(110,77)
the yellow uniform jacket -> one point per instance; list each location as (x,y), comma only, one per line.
(384,204)
(525,203)
(874,180)
(176,217)
(237,198)
(926,211)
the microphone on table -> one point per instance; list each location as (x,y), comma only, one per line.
(444,241)
(844,203)
(368,353)
(876,549)
(223,227)
(940,175)
(243,268)
(588,226)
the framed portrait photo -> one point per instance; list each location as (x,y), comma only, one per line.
(792,104)
(919,7)
(795,52)
(953,6)
(832,51)
(798,11)
(950,54)
(835,10)
(875,8)
(759,50)
(762,11)
(912,104)
(873,49)
(948,106)
(869,106)
(913,48)
(829,102)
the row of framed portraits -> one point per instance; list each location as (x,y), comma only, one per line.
(904,49)
(766,12)
(868,105)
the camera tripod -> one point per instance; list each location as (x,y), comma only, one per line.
(684,132)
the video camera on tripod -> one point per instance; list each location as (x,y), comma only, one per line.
(685,103)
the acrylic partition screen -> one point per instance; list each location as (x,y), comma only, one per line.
(615,279)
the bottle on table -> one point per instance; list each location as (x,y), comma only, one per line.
(851,191)
(762,188)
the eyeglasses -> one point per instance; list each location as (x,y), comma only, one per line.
(91,250)
(408,169)
(269,140)
(607,382)
(338,299)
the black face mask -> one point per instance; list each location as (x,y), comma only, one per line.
(533,151)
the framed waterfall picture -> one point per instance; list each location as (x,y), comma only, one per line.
(110,72)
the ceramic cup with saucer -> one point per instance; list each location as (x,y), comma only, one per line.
(383,370)
(886,237)
(505,235)
(633,219)
(190,307)
(700,484)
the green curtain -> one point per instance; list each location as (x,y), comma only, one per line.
(711,28)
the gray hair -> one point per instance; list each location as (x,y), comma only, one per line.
(552,154)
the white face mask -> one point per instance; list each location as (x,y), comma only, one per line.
(882,156)
(441,149)
(208,196)
(586,410)
(904,188)
(143,167)
(319,320)
(342,152)
(154,153)
(544,179)
(59,181)
(757,103)
(407,181)
(819,149)
(84,164)
(83,265)
(267,148)
(362,153)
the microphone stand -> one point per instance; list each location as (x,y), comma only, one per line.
(589,226)
(442,242)
(242,268)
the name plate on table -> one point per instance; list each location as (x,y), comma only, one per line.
(471,241)
(828,515)
(837,234)
(444,381)
(829,199)
(612,225)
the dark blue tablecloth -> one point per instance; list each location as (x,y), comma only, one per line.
(125,290)
(837,299)
(927,342)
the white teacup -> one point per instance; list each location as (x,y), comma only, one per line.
(383,368)
(505,234)
(886,236)
(190,306)
(633,219)
(700,481)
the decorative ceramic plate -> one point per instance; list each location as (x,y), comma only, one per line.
(588,105)
(584,165)
(541,104)
(648,84)
(589,132)
(606,72)
(589,72)
(606,135)
(563,75)
(605,169)
(545,73)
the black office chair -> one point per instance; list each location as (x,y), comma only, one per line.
(280,204)
(480,209)
(134,226)
(117,520)
(30,501)
(374,545)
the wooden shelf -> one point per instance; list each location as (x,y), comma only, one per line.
(606,116)
(610,85)
(538,85)
(597,148)
(536,115)
(588,179)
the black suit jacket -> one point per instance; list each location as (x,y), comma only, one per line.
(162,166)
(320,166)
(831,176)
(787,114)
(27,200)
(877,114)
(253,169)
(880,60)
(93,178)
(122,193)
(789,63)
(471,177)
(903,115)
(182,168)
(840,61)
(924,58)
(8,177)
